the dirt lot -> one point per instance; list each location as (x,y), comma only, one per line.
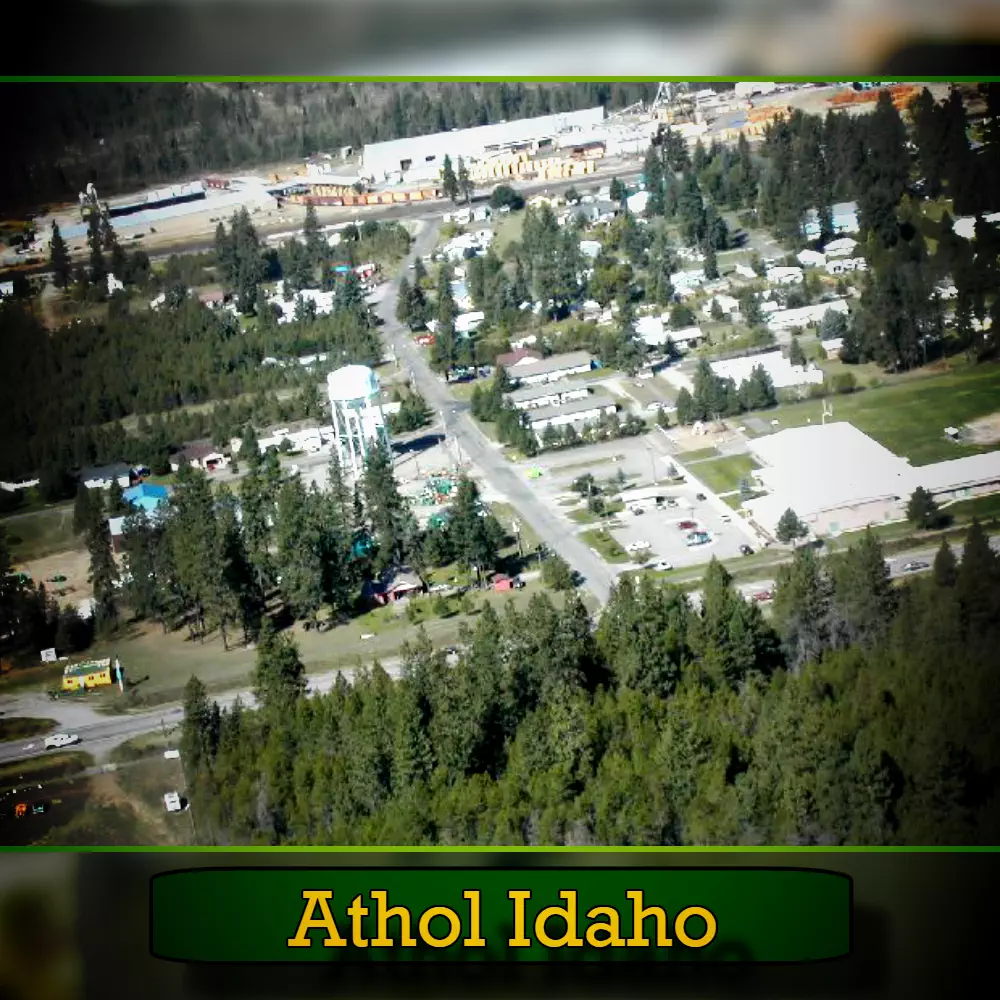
(74,565)
(984,431)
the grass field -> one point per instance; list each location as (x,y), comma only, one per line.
(40,533)
(723,475)
(16,728)
(604,543)
(508,231)
(909,418)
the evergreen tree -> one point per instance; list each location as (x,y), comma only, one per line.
(102,576)
(449,182)
(279,677)
(299,555)
(464,182)
(796,355)
(59,258)
(790,528)
(116,500)
(945,565)
(84,509)
(922,511)
(98,269)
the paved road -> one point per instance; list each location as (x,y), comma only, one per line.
(483,453)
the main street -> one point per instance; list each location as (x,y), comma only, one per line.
(478,449)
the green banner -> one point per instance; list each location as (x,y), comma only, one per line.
(500,915)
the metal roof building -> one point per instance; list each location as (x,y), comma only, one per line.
(836,478)
(381,159)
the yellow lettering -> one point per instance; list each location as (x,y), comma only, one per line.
(425,926)
(639,915)
(384,912)
(357,912)
(317,899)
(475,938)
(610,932)
(711,926)
(567,913)
(520,896)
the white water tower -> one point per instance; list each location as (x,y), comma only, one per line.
(358,420)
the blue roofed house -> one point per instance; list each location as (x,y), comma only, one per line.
(146,496)
(845,219)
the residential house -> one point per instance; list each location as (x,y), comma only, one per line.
(201,455)
(686,338)
(726,303)
(578,412)
(100,477)
(515,357)
(843,247)
(844,264)
(785,275)
(395,584)
(811,258)
(785,319)
(844,217)
(745,271)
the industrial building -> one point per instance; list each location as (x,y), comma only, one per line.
(579,411)
(782,372)
(551,369)
(425,153)
(836,478)
(358,420)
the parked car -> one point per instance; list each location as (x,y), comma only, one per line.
(699,538)
(662,566)
(915,566)
(700,496)
(745,550)
(58,740)
(762,596)
(687,525)
(636,546)
(636,510)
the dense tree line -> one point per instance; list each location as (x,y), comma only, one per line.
(714,397)
(218,560)
(66,391)
(124,136)
(836,724)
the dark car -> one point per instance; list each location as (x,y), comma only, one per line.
(687,525)
(700,496)
(745,550)
(915,567)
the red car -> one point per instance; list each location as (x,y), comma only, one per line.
(762,596)
(687,525)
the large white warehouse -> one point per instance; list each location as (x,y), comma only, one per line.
(836,478)
(423,153)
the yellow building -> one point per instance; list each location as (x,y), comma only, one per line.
(91,674)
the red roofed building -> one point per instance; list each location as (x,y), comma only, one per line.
(521,354)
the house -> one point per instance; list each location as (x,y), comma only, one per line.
(832,347)
(534,397)
(466,323)
(146,496)
(687,337)
(843,247)
(845,264)
(784,375)
(515,357)
(590,248)
(688,279)
(811,258)
(785,319)
(650,330)
(785,275)
(551,369)
(579,411)
(212,299)
(101,477)
(637,202)
(726,303)
(395,585)
(199,456)
(844,216)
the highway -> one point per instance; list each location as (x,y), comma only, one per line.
(100,733)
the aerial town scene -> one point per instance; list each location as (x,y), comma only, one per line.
(521,464)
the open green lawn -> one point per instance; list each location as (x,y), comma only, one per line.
(508,230)
(585,516)
(983,508)
(909,418)
(506,515)
(41,533)
(606,544)
(723,475)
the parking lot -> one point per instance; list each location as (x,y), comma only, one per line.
(661,529)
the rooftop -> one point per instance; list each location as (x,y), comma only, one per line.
(594,401)
(530,392)
(555,363)
(88,667)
